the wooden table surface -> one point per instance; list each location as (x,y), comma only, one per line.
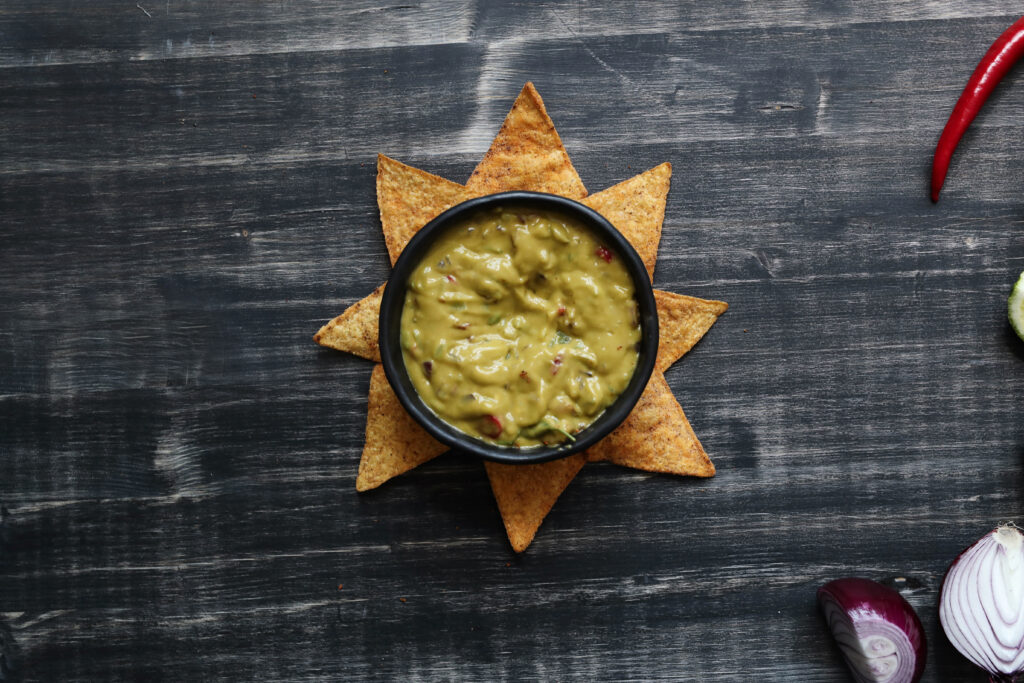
(187,194)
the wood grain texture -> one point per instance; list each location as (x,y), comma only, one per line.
(187,195)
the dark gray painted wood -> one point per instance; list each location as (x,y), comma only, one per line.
(186,194)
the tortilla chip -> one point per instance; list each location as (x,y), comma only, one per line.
(526,493)
(409,198)
(636,207)
(682,321)
(527,154)
(655,437)
(395,443)
(355,330)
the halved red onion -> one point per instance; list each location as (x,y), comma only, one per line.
(981,605)
(877,631)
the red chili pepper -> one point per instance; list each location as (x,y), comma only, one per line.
(556,363)
(450,277)
(1004,53)
(603,252)
(491,426)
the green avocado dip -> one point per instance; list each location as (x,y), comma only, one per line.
(519,327)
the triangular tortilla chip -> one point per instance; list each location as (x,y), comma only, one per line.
(526,493)
(682,321)
(636,207)
(355,330)
(655,437)
(527,154)
(395,443)
(409,198)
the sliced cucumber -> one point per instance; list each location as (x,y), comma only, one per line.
(1015,307)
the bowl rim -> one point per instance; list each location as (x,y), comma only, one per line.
(393,300)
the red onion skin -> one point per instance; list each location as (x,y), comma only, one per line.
(864,600)
(994,676)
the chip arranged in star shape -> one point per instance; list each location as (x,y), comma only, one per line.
(527,154)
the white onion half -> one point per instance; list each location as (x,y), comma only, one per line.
(981,606)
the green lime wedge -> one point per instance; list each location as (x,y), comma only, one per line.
(1015,307)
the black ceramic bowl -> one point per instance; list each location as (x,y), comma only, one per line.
(394,300)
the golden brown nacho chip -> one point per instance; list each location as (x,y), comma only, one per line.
(655,437)
(395,443)
(526,493)
(636,207)
(355,330)
(409,198)
(682,321)
(527,154)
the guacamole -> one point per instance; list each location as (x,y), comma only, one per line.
(519,327)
